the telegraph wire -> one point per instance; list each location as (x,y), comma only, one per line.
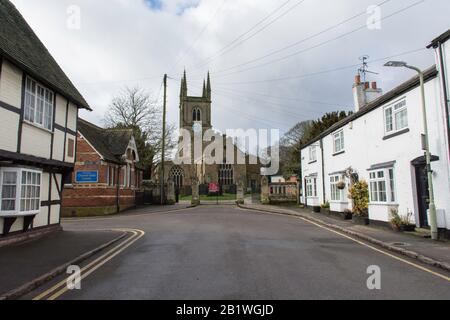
(300,41)
(306,75)
(321,43)
(182,56)
(237,41)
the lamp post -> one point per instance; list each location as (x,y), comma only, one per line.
(433,218)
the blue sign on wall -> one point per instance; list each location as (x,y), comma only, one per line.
(86,176)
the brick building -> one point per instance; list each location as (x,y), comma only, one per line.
(106,177)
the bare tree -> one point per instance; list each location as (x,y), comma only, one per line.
(134,108)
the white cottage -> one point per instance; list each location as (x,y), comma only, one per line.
(38,124)
(382,143)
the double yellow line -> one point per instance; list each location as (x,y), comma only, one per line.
(61,287)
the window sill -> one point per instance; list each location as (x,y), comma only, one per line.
(17,215)
(311,162)
(395,134)
(338,153)
(386,204)
(37,126)
(338,202)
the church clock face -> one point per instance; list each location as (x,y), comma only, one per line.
(197,127)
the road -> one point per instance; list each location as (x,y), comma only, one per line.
(222,252)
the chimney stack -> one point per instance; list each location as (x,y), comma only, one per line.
(364,93)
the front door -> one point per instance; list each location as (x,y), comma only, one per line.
(422,194)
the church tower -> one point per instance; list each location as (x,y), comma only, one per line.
(195,110)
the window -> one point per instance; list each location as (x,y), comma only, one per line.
(312,153)
(196,114)
(338,141)
(30,193)
(226,175)
(336,193)
(382,186)
(311,187)
(20,191)
(177,174)
(128,173)
(70,148)
(396,117)
(9,190)
(38,104)
(111,176)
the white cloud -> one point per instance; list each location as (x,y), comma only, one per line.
(125,42)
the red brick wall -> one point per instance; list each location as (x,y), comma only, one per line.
(99,194)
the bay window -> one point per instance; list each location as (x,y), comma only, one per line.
(382,186)
(396,117)
(336,193)
(20,191)
(38,104)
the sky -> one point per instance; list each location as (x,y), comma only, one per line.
(273,63)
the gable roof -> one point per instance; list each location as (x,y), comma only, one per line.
(429,74)
(20,44)
(110,143)
(441,39)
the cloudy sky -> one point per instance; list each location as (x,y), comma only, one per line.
(272,62)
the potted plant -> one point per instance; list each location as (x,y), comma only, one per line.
(326,207)
(340,185)
(348,214)
(359,193)
(402,223)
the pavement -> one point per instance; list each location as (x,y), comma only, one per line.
(224,252)
(410,243)
(22,263)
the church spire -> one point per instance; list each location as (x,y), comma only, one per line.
(183,91)
(208,87)
(204,89)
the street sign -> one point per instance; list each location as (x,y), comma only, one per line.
(213,188)
(86,176)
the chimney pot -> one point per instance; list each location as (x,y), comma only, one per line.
(374,85)
(367,85)
(358,79)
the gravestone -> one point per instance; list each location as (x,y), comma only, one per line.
(195,192)
(171,192)
(240,193)
(265,191)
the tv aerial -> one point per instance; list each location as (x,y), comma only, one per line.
(364,70)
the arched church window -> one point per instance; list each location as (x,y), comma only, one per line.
(196,114)
(226,175)
(177,174)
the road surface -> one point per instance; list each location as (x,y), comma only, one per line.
(222,252)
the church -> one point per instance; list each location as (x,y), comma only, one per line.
(196,114)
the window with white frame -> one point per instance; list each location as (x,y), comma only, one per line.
(312,153)
(38,104)
(336,193)
(382,186)
(311,187)
(396,117)
(20,191)
(338,141)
